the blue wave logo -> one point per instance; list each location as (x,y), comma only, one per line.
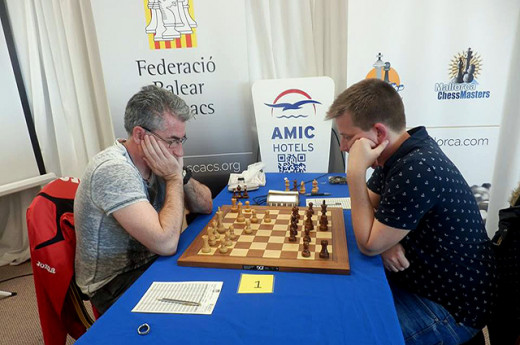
(286,106)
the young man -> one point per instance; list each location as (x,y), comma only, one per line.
(130,203)
(418,212)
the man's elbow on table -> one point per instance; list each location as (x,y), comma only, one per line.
(165,250)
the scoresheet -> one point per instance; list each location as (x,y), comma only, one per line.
(180,298)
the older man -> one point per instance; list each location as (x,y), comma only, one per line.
(130,203)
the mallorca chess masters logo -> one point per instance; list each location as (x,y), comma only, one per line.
(464,70)
(384,71)
(291,143)
(170,24)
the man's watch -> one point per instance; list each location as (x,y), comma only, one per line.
(186,175)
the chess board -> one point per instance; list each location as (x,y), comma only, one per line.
(268,247)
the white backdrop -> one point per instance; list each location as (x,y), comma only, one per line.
(422,42)
(208,69)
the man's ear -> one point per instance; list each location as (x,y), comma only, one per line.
(138,134)
(381,132)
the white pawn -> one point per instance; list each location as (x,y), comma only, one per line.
(232,234)
(267,218)
(254,219)
(248,229)
(223,249)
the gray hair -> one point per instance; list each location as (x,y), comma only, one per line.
(147,108)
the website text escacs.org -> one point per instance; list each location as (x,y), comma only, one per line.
(233,167)
(461,141)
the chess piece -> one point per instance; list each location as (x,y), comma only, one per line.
(294,225)
(191,22)
(295,212)
(254,219)
(227,239)
(323,222)
(267,218)
(308,221)
(295,185)
(247,229)
(305,252)
(205,244)
(286,184)
(240,216)
(324,253)
(323,207)
(378,66)
(222,248)
(387,70)
(233,204)
(247,209)
(212,240)
(315,188)
(245,195)
(292,235)
(232,234)
(311,210)
(459,77)
(302,188)
(214,225)
(220,224)
(239,192)
(307,236)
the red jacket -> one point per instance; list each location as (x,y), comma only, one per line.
(50,224)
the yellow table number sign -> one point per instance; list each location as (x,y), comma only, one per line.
(256,283)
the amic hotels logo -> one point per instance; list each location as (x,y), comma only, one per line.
(384,71)
(290,105)
(170,24)
(464,69)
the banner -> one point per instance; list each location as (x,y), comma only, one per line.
(448,60)
(195,49)
(292,133)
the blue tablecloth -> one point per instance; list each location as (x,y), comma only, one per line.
(305,308)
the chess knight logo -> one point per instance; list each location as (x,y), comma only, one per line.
(384,71)
(464,69)
(170,24)
(291,104)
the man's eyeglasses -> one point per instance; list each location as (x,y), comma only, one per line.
(171,143)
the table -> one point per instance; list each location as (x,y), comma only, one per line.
(305,308)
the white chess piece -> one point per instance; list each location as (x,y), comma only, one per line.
(192,23)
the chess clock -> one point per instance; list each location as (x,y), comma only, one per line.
(283,198)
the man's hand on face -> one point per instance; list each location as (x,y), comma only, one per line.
(363,154)
(162,162)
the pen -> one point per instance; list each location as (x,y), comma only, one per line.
(5,294)
(179,301)
(317,194)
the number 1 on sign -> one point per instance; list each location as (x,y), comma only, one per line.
(256,283)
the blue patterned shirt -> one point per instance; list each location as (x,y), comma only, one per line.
(450,254)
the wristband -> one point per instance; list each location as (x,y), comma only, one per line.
(186,175)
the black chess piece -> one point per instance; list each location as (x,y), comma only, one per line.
(292,235)
(305,252)
(459,79)
(307,236)
(324,253)
(323,207)
(387,69)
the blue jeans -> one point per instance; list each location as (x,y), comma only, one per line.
(424,322)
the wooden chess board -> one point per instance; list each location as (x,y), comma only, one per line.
(268,247)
